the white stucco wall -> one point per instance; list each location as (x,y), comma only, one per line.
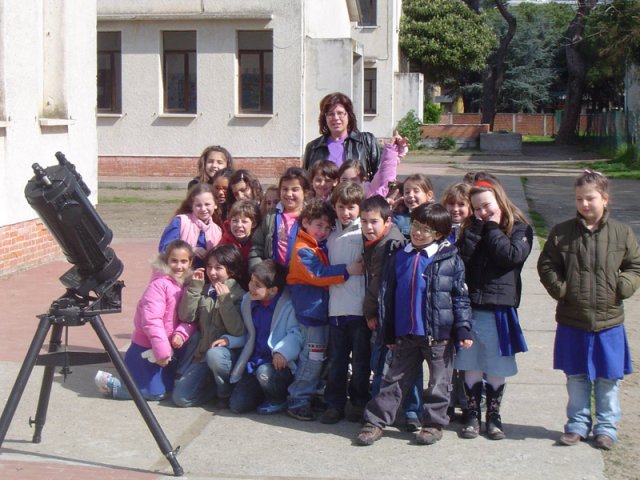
(143,129)
(23,140)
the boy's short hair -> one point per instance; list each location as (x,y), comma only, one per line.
(325,168)
(377,203)
(270,273)
(347,193)
(315,209)
(248,208)
(433,215)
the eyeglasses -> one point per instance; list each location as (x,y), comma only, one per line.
(335,114)
(420,228)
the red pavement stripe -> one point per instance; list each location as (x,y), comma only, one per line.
(22,470)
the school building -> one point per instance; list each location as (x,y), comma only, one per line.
(178,75)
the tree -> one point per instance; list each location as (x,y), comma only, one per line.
(576,72)
(445,38)
(493,75)
(535,75)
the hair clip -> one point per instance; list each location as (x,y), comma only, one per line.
(482,183)
(592,172)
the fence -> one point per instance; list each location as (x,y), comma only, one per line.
(543,124)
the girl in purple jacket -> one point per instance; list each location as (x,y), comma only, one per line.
(159,343)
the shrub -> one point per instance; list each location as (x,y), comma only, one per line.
(446,143)
(432,113)
(410,126)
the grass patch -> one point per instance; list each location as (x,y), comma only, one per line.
(537,220)
(538,139)
(104,200)
(624,162)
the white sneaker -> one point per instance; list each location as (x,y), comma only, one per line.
(102,380)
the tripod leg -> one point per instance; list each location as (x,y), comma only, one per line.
(47,382)
(23,376)
(141,403)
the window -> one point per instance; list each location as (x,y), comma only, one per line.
(368,13)
(370,105)
(109,73)
(255,62)
(179,72)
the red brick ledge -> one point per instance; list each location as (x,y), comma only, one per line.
(147,166)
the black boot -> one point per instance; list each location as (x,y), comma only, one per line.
(471,419)
(494,422)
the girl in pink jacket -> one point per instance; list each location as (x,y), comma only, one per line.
(159,343)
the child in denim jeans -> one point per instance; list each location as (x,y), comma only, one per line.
(309,278)
(267,363)
(590,264)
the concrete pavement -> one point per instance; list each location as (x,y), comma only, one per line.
(87,436)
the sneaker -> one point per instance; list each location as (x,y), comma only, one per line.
(428,435)
(369,434)
(569,439)
(331,415)
(303,412)
(103,382)
(604,442)
(269,408)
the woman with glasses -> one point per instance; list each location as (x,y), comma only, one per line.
(340,139)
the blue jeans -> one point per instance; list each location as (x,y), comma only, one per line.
(350,338)
(195,387)
(309,367)
(607,412)
(220,361)
(381,357)
(266,384)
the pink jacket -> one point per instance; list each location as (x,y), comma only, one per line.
(379,185)
(156,318)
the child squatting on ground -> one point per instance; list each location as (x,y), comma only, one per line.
(160,345)
(267,363)
(424,312)
(214,307)
(590,264)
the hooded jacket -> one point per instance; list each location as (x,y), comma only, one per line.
(447,309)
(215,317)
(156,319)
(285,336)
(590,272)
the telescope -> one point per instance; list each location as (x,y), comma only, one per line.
(60,197)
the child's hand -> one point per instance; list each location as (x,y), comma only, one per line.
(198,274)
(279,362)
(163,362)
(221,342)
(372,323)
(177,341)
(401,142)
(356,268)
(466,343)
(200,252)
(221,289)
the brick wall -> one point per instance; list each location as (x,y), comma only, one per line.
(186,166)
(454,131)
(25,245)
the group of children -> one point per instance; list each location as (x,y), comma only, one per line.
(337,287)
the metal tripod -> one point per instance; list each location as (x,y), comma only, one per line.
(70,311)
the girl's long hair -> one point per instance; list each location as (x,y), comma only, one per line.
(202,161)
(186,206)
(510,213)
